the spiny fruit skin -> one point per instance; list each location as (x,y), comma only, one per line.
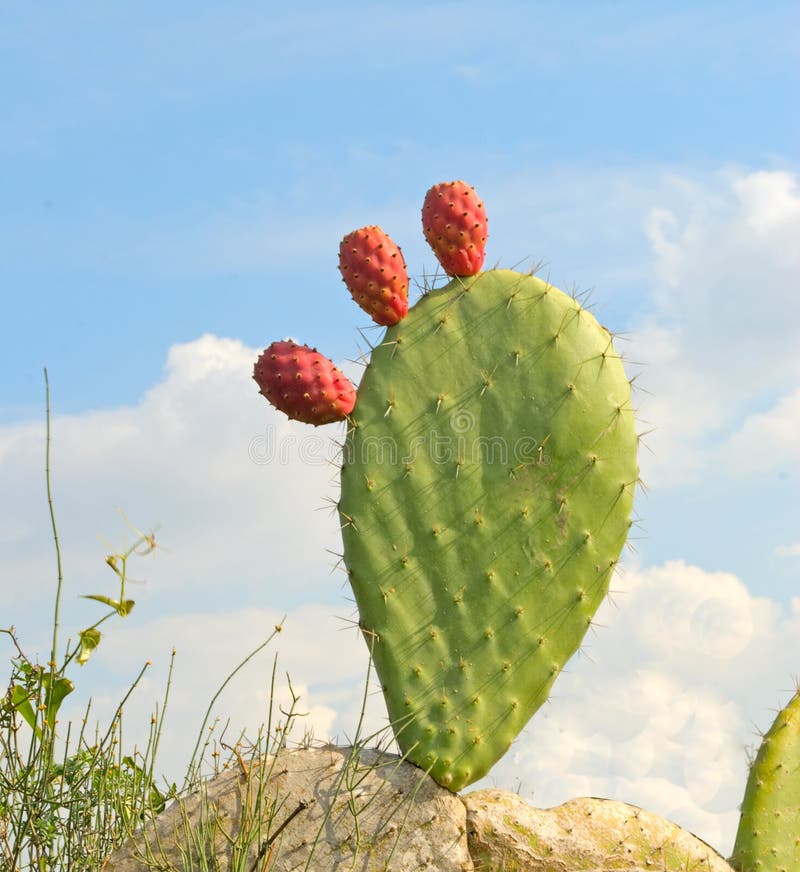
(374,271)
(487,484)
(768,838)
(303,383)
(455,225)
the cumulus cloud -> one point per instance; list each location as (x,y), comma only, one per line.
(246,534)
(722,340)
(766,440)
(238,491)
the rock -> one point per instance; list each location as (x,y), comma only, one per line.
(349,809)
(354,810)
(582,835)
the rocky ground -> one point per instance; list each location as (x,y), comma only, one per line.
(340,808)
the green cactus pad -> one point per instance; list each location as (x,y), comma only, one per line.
(768,838)
(487,486)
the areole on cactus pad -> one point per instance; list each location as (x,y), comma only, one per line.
(486,493)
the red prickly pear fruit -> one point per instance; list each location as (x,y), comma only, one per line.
(374,271)
(455,225)
(303,383)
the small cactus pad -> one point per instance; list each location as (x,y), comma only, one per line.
(303,383)
(768,838)
(487,487)
(374,271)
(455,225)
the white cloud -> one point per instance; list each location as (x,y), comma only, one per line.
(791,550)
(240,495)
(723,337)
(766,440)
(772,206)
(239,491)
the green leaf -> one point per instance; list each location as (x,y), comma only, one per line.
(125,607)
(121,608)
(99,598)
(22,703)
(55,694)
(158,802)
(90,639)
(129,763)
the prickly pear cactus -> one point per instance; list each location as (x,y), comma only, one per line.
(487,485)
(768,839)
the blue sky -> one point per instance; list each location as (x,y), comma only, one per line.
(137,141)
(173,173)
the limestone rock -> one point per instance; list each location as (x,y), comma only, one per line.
(582,835)
(349,810)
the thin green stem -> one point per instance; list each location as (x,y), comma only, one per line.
(160,720)
(121,705)
(54,648)
(191,770)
